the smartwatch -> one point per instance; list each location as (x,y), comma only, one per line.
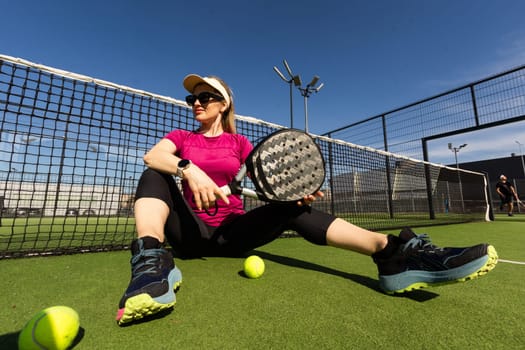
(181,166)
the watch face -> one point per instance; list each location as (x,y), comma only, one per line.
(184,163)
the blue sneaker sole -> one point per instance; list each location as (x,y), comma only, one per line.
(411,280)
(142,305)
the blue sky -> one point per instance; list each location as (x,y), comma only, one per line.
(372,56)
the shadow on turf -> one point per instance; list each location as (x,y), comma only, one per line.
(156,316)
(416,295)
(518,217)
(9,341)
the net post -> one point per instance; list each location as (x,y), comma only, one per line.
(330,166)
(1,209)
(428,181)
(387,167)
(489,216)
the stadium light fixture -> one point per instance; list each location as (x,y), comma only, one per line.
(314,81)
(293,79)
(456,150)
(306,92)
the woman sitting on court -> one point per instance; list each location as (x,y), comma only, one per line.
(210,157)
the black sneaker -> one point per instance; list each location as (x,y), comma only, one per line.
(154,279)
(414,262)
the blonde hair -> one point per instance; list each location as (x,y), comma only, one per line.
(228,117)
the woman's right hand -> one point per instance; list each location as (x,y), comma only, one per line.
(205,190)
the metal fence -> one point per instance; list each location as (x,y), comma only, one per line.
(496,100)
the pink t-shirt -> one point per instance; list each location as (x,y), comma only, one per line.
(220,157)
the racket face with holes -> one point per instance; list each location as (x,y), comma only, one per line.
(286,166)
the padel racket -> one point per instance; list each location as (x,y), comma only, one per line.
(520,203)
(284,167)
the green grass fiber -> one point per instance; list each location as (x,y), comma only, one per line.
(309,298)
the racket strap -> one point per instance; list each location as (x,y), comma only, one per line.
(216,209)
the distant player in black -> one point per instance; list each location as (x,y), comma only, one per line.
(506,193)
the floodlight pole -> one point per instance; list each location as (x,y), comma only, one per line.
(293,79)
(306,92)
(456,150)
(521,156)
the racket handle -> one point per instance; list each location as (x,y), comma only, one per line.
(226,189)
(234,187)
(249,193)
(242,172)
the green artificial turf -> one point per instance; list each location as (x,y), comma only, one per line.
(310,297)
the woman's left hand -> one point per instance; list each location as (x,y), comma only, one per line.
(309,199)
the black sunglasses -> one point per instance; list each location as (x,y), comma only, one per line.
(203,97)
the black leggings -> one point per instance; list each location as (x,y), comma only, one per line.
(189,236)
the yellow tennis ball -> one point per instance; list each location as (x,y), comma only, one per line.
(253,266)
(53,328)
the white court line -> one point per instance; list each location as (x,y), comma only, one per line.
(512,262)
